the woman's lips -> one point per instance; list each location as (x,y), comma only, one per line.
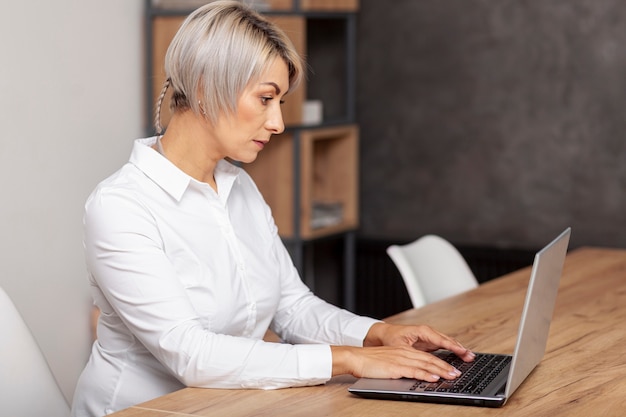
(261,144)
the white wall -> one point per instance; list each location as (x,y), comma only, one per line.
(71,98)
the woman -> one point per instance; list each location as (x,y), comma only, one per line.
(184,258)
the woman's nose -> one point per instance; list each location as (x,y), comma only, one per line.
(275,122)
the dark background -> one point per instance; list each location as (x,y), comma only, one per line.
(493,122)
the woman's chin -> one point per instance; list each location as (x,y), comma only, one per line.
(246,159)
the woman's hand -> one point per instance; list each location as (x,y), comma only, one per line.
(395,351)
(419,337)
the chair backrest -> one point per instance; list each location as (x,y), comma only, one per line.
(432,269)
(27,386)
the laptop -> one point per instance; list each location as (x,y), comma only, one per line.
(491,379)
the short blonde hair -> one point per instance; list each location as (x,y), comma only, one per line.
(218,50)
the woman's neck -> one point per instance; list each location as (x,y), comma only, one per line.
(186,144)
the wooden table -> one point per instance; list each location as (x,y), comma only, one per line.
(583,372)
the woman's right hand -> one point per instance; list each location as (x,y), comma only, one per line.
(390,362)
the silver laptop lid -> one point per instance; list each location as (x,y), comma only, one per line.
(534,325)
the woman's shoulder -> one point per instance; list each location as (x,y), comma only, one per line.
(127,184)
(126,178)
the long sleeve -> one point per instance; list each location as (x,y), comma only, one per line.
(304,318)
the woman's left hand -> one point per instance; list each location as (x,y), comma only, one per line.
(420,337)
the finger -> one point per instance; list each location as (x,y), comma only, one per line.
(426,336)
(434,372)
(461,351)
(430,368)
(443,369)
(441,341)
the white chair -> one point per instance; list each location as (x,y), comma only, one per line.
(432,269)
(27,386)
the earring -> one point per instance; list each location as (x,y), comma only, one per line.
(201,108)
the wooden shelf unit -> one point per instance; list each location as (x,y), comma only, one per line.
(307,165)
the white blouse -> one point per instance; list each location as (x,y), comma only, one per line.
(188,281)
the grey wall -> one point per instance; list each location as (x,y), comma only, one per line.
(493,122)
(70,106)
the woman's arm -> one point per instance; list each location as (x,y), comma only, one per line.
(146,300)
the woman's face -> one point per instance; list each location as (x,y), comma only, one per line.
(243,135)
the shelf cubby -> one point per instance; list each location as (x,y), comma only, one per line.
(327,178)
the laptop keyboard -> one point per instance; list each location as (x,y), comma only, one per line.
(475,375)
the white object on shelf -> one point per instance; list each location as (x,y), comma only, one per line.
(312,112)
(326,214)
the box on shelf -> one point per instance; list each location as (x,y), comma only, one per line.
(312,112)
(326,214)
(330,5)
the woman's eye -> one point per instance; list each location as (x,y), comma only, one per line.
(264,100)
